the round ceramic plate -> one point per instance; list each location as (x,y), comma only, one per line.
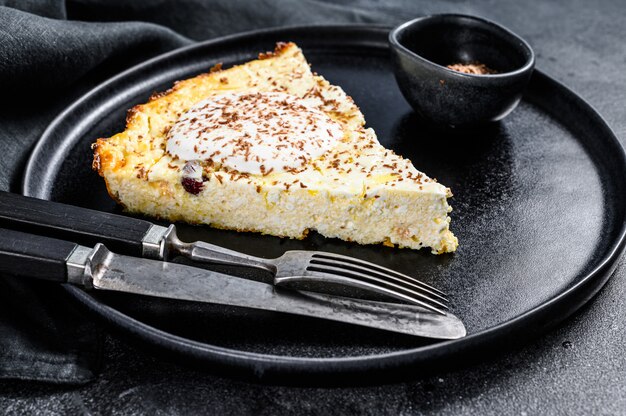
(539,210)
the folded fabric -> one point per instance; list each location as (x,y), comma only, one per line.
(46,63)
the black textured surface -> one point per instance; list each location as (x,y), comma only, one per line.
(578,368)
(514,189)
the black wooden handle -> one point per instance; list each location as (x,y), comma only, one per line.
(81,225)
(30,255)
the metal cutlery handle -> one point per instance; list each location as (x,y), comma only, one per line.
(29,255)
(208,253)
(82,225)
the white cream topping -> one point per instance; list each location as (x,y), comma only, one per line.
(255,133)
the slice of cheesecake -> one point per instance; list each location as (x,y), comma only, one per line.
(271,147)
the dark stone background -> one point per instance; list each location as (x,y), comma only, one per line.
(578,368)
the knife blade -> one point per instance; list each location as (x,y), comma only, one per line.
(31,255)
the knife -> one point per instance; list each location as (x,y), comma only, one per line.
(34,256)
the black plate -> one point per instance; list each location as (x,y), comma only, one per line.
(539,210)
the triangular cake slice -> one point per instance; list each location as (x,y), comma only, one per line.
(270,146)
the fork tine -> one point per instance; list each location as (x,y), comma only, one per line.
(330,276)
(379,282)
(375,273)
(381,270)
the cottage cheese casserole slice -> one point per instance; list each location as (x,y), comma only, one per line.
(270,146)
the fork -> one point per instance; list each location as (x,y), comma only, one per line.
(317,271)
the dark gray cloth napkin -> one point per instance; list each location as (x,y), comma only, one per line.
(46,61)
(51,52)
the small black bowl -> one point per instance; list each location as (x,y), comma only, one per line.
(422,49)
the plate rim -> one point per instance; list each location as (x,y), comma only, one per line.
(268,367)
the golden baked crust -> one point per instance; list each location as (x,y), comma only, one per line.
(383,199)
